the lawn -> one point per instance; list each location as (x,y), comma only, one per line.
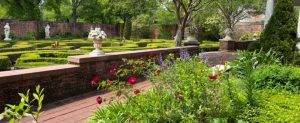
(37,53)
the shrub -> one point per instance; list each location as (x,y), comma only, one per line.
(279,107)
(256,58)
(280,33)
(28,36)
(142,44)
(5,63)
(183,92)
(276,76)
(250,36)
(255,45)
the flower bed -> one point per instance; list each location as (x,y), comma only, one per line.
(188,90)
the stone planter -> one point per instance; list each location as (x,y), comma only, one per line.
(97,51)
(191,40)
(227,45)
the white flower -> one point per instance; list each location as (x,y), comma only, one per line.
(219,69)
(97,34)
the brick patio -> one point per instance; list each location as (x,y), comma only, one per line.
(78,109)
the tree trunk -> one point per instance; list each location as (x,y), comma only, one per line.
(74,12)
(128,28)
(178,37)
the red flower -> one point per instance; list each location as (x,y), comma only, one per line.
(99,100)
(112,72)
(158,71)
(132,80)
(95,80)
(137,91)
(213,77)
(180,96)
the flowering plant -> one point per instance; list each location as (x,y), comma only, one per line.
(97,34)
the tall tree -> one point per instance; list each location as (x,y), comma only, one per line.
(234,11)
(23,9)
(126,10)
(56,6)
(75,4)
(96,11)
(185,11)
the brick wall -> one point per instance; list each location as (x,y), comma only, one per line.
(63,81)
(21,28)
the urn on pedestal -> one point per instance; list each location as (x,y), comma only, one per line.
(97,36)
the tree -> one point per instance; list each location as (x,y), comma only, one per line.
(75,4)
(56,6)
(126,10)
(23,9)
(281,31)
(185,11)
(233,11)
(96,11)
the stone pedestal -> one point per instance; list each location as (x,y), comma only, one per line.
(227,45)
(191,41)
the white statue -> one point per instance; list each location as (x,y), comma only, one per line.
(7,32)
(47,32)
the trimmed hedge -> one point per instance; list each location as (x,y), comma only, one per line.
(287,77)
(5,63)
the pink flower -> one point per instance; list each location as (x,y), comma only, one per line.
(137,91)
(99,100)
(213,77)
(132,80)
(158,71)
(95,80)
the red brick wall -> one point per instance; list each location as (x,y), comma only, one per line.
(69,80)
(20,28)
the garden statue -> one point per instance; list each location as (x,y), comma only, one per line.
(97,36)
(7,32)
(228,35)
(47,32)
(191,33)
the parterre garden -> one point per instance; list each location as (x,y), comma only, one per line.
(36,53)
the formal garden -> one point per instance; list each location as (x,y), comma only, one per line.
(167,63)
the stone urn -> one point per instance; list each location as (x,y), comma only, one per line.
(191,38)
(97,36)
(227,43)
(97,46)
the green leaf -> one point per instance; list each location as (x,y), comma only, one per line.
(1,117)
(35,96)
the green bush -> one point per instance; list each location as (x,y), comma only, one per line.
(183,93)
(280,33)
(279,107)
(255,45)
(142,44)
(250,36)
(5,63)
(276,76)
(28,36)
(33,65)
